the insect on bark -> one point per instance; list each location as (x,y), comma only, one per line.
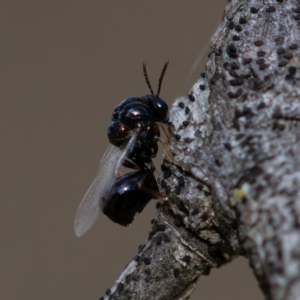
(134,133)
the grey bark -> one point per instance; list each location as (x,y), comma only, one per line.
(239,138)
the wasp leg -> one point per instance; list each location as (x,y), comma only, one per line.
(166,132)
(142,184)
(169,154)
(166,148)
(156,194)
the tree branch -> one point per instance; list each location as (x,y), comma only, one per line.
(238,133)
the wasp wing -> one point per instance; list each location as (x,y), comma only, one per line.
(89,208)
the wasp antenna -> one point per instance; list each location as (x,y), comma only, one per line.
(146,76)
(162,76)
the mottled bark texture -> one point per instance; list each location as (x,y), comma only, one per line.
(238,132)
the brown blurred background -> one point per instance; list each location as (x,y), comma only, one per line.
(64,66)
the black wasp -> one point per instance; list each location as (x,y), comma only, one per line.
(133,135)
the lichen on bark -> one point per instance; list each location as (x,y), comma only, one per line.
(234,187)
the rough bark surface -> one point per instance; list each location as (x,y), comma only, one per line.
(238,133)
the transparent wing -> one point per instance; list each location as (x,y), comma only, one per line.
(89,208)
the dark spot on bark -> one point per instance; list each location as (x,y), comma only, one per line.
(191,97)
(233,73)
(280,1)
(163,184)
(207,193)
(160,227)
(165,238)
(277,113)
(147,271)
(247,112)
(288,55)
(181,181)
(226,66)
(236,38)
(188,140)
(206,271)
(101,298)
(178,220)
(254,10)
(236,82)
(164,167)
(282,63)
(195,211)
(219,52)
(177,137)
(236,124)
(230,26)
(239,136)
(232,51)
(296,9)
(263,66)
(137,259)
(214,80)
(277,126)
(181,104)
(270,9)
(236,94)
(260,61)
(177,189)
(258,43)
(200,187)
(187,110)
(107,292)
(280,51)
(158,205)
(297,17)
(293,47)
(279,40)
(252,174)
(147,261)
(215,247)
(141,247)
(289,78)
(218,163)
(120,287)
(147,280)
(234,66)
(242,20)
(292,70)
(167,173)
(261,105)
(152,221)
(246,141)
(167,190)
(176,272)
(202,74)
(261,53)
(186,258)
(185,123)
(238,28)
(247,61)
(204,217)
(227,146)
(202,87)
(158,240)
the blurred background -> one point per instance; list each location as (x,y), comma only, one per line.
(65,65)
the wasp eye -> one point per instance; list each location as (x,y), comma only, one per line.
(160,109)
